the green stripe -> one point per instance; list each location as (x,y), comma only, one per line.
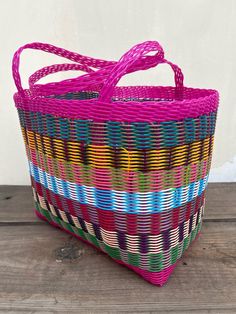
(155,261)
(117,175)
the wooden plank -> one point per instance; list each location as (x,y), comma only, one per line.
(16,203)
(221,201)
(43,270)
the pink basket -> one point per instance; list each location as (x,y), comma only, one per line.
(122,168)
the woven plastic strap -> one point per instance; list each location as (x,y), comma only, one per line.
(83,81)
(87,62)
(79,67)
(127,60)
(135,59)
(55,68)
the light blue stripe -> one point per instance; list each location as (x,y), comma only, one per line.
(147,202)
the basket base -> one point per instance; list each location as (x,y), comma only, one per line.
(155,278)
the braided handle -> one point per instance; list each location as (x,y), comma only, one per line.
(78,58)
(139,51)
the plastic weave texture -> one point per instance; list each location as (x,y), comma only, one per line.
(123,168)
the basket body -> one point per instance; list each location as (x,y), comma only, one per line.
(128,176)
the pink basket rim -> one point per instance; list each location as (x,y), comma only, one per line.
(93,109)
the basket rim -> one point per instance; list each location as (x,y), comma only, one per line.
(125,111)
(209,94)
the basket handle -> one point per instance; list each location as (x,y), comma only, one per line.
(127,60)
(95,78)
(78,58)
(55,68)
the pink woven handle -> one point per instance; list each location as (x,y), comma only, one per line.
(108,75)
(128,59)
(55,68)
(93,78)
(86,61)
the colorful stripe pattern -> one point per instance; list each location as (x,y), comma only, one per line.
(116,134)
(112,200)
(149,252)
(135,190)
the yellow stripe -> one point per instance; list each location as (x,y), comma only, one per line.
(101,156)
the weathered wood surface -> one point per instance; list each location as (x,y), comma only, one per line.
(43,270)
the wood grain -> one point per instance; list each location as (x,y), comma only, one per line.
(221,201)
(16,204)
(43,268)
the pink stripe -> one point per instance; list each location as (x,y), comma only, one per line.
(205,101)
(102,178)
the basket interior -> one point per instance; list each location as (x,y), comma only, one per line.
(141,93)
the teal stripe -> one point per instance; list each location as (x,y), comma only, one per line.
(138,135)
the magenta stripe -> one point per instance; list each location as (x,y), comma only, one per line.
(102,178)
(147,111)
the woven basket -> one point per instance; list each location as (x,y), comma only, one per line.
(123,168)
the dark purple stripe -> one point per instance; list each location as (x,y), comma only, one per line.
(181,232)
(97,232)
(143,243)
(166,240)
(121,240)
(190,224)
